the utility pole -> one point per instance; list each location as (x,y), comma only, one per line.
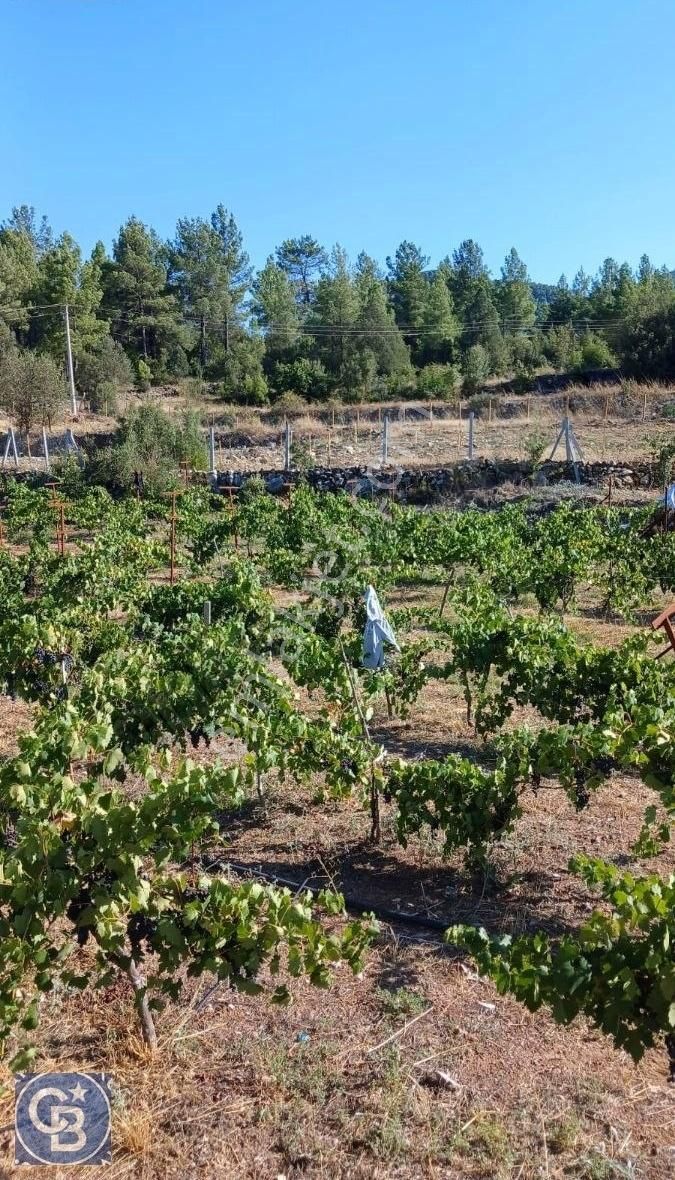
(69,356)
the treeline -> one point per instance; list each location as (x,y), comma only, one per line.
(311,322)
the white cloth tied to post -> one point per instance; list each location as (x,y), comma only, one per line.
(376,632)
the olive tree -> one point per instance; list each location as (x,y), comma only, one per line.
(32,388)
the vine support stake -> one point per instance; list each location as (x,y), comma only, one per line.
(172,574)
(375,826)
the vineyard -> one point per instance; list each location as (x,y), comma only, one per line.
(206,771)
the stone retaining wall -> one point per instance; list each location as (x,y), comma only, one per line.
(427,483)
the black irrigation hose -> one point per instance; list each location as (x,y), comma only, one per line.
(355,905)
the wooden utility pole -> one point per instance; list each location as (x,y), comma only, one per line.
(69,362)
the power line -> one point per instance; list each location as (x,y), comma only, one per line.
(325,330)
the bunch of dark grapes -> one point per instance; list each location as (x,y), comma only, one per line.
(140,928)
(199,734)
(77,907)
(10,837)
(582,794)
(604,765)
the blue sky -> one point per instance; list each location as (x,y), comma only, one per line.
(549,126)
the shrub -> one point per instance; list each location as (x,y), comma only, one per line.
(152,443)
(102,373)
(475,368)
(244,381)
(535,445)
(438,382)
(143,375)
(303,376)
(289,404)
(595,353)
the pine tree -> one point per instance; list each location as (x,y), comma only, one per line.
(143,312)
(514,294)
(333,319)
(439,323)
(303,260)
(275,309)
(378,333)
(63,278)
(18,277)
(210,274)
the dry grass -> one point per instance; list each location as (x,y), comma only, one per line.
(612,423)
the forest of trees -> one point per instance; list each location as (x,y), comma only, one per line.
(311,322)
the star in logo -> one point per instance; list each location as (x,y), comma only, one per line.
(78,1092)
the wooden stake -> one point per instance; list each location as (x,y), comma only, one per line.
(172,577)
(644,406)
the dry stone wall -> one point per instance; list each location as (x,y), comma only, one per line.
(428,483)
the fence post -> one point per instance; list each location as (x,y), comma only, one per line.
(471,420)
(569,453)
(212,451)
(287,446)
(385,438)
(206,613)
(46,448)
